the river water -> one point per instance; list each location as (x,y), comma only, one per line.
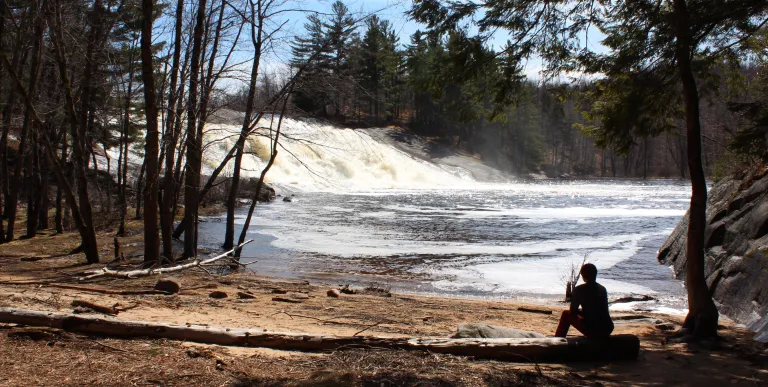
(512,240)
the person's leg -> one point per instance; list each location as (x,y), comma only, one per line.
(565,323)
(578,323)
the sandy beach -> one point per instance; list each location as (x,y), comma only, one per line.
(29,266)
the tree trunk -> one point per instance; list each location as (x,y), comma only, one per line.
(123,160)
(59,217)
(21,156)
(170,140)
(702,317)
(140,188)
(194,153)
(83,215)
(256,38)
(151,237)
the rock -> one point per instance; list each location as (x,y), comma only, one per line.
(632,299)
(665,327)
(279,291)
(347,290)
(736,255)
(487,331)
(217,294)
(168,285)
(248,187)
(287,199)
(244,295)
(298,296)
(333,293)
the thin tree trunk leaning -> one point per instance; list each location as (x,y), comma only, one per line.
(106,272)
(702,317)
(619,347)
(151,237)
(260,183)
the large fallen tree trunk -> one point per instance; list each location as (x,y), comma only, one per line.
(619,347)
(107,272)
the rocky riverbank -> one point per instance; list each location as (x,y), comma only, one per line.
(736,249)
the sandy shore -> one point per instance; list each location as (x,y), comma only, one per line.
(26,265)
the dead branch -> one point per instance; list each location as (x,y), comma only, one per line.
(197,263)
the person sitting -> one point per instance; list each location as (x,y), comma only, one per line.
(593,320)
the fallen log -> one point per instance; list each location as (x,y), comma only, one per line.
(107,272)
(619,347)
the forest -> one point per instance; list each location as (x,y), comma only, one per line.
(367,75)
(104,105)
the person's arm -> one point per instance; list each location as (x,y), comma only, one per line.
(575,302)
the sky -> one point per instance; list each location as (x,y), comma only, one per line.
(392,10)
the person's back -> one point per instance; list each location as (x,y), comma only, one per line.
(593,299)
(593,320)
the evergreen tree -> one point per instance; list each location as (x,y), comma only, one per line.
(660,47)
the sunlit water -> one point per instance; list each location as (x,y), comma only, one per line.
(513,240)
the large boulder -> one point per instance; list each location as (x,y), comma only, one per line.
(736,263)
(248,187)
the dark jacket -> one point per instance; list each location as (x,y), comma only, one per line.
(593,299)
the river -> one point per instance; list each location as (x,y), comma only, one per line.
(487,240)
(385,207)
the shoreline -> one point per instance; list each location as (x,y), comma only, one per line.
(69,359)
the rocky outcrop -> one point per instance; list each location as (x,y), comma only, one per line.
(248,187)
(736,249)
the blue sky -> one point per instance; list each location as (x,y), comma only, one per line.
(391,10)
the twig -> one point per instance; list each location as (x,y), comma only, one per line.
(312,318)
(110,347)
(368,327)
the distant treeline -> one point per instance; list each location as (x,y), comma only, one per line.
(364,76)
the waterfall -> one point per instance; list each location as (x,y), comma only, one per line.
(317,156)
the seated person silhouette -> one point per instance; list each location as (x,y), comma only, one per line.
(593,320)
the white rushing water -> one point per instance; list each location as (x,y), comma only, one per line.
(314,156)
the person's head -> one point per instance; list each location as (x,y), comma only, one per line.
(589,272)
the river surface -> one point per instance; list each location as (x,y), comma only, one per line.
(481,240)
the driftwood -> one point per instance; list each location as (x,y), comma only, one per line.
(107,291)
(107,272)
(619,347)
(95,307)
